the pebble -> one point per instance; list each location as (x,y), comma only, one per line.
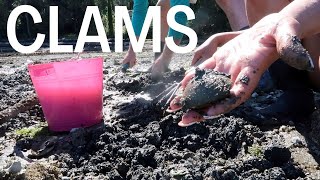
(254,95)
(297,142)
(15,167)
(65,178)
(276,131)
(291,123)
(284,128)
(179,172)
(78,136)
(278,154)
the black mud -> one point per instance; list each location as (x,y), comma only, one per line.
(140,141)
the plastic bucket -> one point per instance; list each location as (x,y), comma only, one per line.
(70,92)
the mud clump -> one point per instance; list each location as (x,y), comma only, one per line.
(207,87)
(38,171)
(277,154)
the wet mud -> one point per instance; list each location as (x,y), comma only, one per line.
(140,141)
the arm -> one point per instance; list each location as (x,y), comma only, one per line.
(306,13)
(248,55)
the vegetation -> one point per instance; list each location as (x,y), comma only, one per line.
(71,14)
(32,132)
(255,150)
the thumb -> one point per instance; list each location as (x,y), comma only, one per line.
(196,57)
(289,45)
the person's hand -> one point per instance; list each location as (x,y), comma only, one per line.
(210,46)
(246,58)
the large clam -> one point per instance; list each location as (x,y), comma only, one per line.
(206,88)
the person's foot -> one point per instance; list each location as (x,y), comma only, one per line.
(129,61)
(292,105)
(160,66)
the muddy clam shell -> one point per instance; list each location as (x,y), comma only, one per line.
(206,88)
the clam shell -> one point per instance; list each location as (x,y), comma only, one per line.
(207,87)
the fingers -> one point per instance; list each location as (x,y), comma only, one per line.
(244,85)
(293,53)
(190,118)
(196,57)
(187,78)
(175,104)
(289,45)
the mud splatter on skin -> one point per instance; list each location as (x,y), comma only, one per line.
(245,80)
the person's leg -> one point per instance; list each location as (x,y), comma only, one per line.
(236,13)
(140,9)
(257,9)
(165,6)
(162,63)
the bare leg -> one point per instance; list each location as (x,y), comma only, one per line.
(235,11)
(165,6)
(130,57)
(162,63)
(257,9)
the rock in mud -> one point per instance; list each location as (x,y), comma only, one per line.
(315,127)
(37,171)
(207,87)
(278,154)
(78,136)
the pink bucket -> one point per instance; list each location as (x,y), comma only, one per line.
(69,92)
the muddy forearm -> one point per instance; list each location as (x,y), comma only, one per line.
(307,13)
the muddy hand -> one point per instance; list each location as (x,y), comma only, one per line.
(245,58)
(289,46)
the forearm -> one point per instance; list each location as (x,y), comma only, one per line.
(307,13)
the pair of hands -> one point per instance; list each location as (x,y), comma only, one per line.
(246,54)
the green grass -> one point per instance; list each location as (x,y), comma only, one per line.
(255,150)
(32,132)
